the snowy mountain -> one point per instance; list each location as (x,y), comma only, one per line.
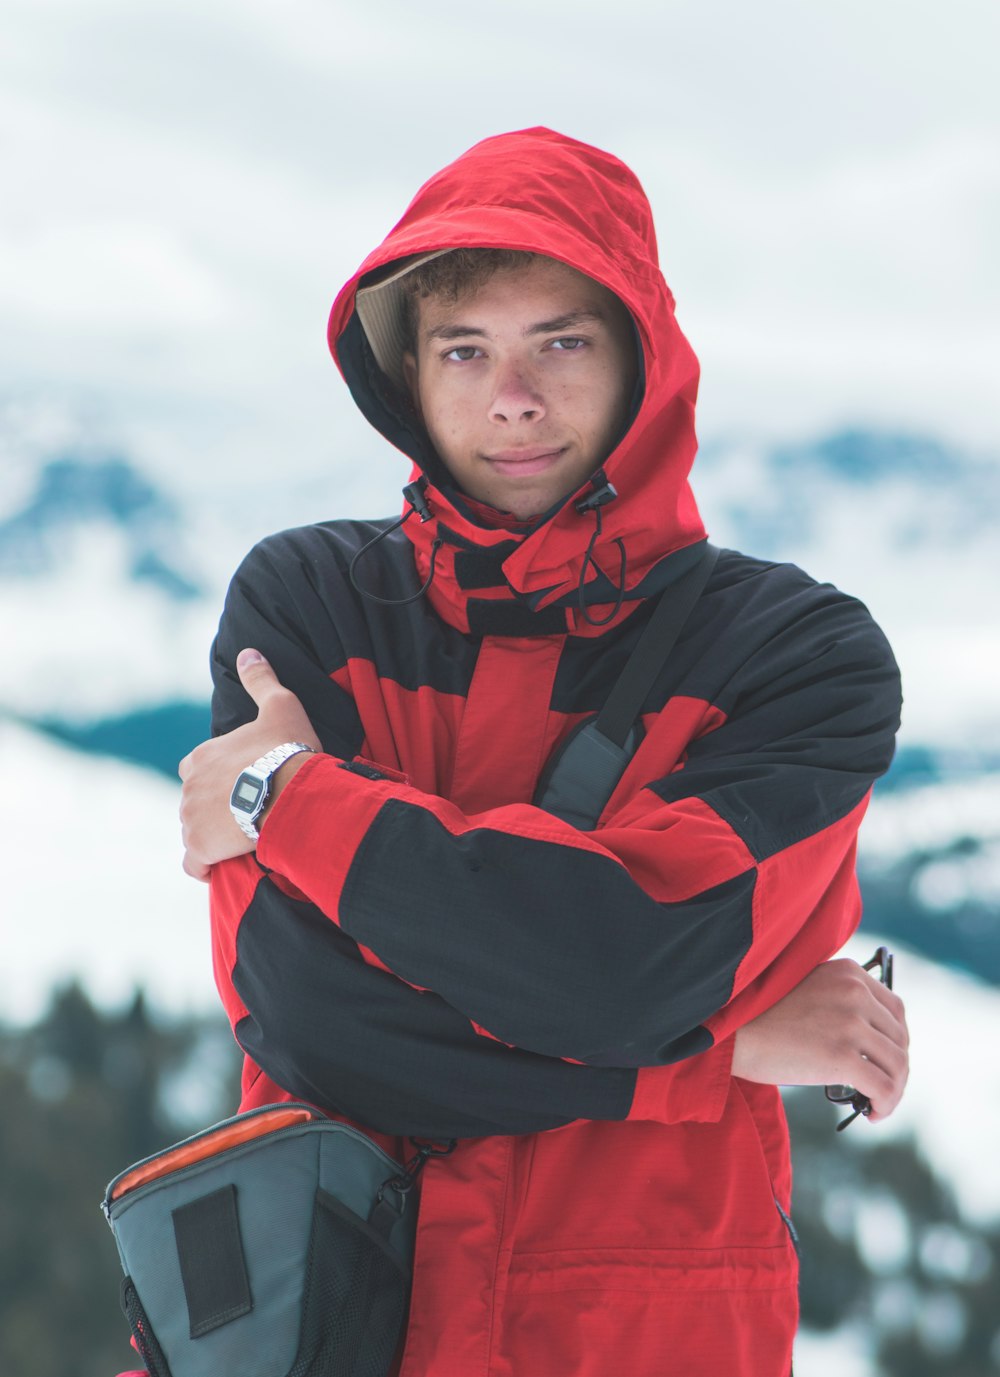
(950,831)
(105,603)
(929,862)
(904,522)
(921,492)
(78,500)
(122,575)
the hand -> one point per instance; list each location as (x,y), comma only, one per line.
(208,829)
(838,1026)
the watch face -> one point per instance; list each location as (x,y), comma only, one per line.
(248,794)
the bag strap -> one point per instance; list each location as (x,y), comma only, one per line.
(624,702)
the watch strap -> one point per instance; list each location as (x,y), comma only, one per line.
(274,759)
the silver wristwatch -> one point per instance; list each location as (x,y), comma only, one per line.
(253,787)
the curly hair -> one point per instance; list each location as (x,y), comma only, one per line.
(450,275)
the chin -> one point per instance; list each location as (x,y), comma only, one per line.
(524,508)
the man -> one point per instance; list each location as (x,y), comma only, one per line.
(409,939)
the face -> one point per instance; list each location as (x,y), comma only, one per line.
(523,383)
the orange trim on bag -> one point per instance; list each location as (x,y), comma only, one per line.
(232,1135)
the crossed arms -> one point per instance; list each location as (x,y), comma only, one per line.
(834,1024)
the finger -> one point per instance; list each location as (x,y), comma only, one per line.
(881,1073)
(885,1102)
(869,1000)
(184,766)
(889,1021)
(866,1056)
(196,869)
(256,675)
(892,1010)
(896,1031)
(888,1057)
(873,1033)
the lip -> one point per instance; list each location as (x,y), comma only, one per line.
(514,462)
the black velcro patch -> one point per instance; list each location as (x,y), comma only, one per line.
(483,568)
(213,1268)
(503,618)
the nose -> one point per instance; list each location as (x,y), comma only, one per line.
(516,398)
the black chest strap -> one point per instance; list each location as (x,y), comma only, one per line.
(587,766)
(624,703)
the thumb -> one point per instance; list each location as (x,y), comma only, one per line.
(256,675)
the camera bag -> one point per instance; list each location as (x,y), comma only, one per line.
(277,1243)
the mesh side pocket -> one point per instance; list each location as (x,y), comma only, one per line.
(356,1295)
(149,1350)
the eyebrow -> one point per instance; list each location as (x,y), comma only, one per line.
(583,316)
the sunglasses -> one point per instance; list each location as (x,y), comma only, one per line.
(846,1094)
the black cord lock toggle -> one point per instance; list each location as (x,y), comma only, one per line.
(414,494)
(604,492)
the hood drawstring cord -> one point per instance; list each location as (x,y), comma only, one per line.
(604,492)
(414,495)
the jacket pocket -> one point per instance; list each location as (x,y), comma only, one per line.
(773,1151)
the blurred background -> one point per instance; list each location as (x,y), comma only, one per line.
(183,188)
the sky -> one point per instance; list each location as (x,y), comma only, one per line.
(187,184)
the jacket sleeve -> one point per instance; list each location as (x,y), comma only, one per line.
(700,900)
(337,1030)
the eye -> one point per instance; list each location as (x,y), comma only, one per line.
(569,343)
(462,353)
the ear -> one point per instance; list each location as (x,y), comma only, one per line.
(410,374)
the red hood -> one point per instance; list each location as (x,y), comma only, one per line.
(540,191)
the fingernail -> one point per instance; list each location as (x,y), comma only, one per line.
(247,658)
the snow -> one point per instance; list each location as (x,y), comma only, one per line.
(931,817)
(846,1353)
(93,885)
(91,642)
(920,552)
(955,826)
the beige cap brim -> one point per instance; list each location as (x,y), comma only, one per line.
(381,309)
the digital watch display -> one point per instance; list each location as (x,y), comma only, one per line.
(253,786)
(249,792)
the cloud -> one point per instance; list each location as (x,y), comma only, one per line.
(111,275)
(192,182)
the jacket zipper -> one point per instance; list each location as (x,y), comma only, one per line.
(792,1231)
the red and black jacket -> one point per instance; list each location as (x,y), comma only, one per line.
(417,945)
